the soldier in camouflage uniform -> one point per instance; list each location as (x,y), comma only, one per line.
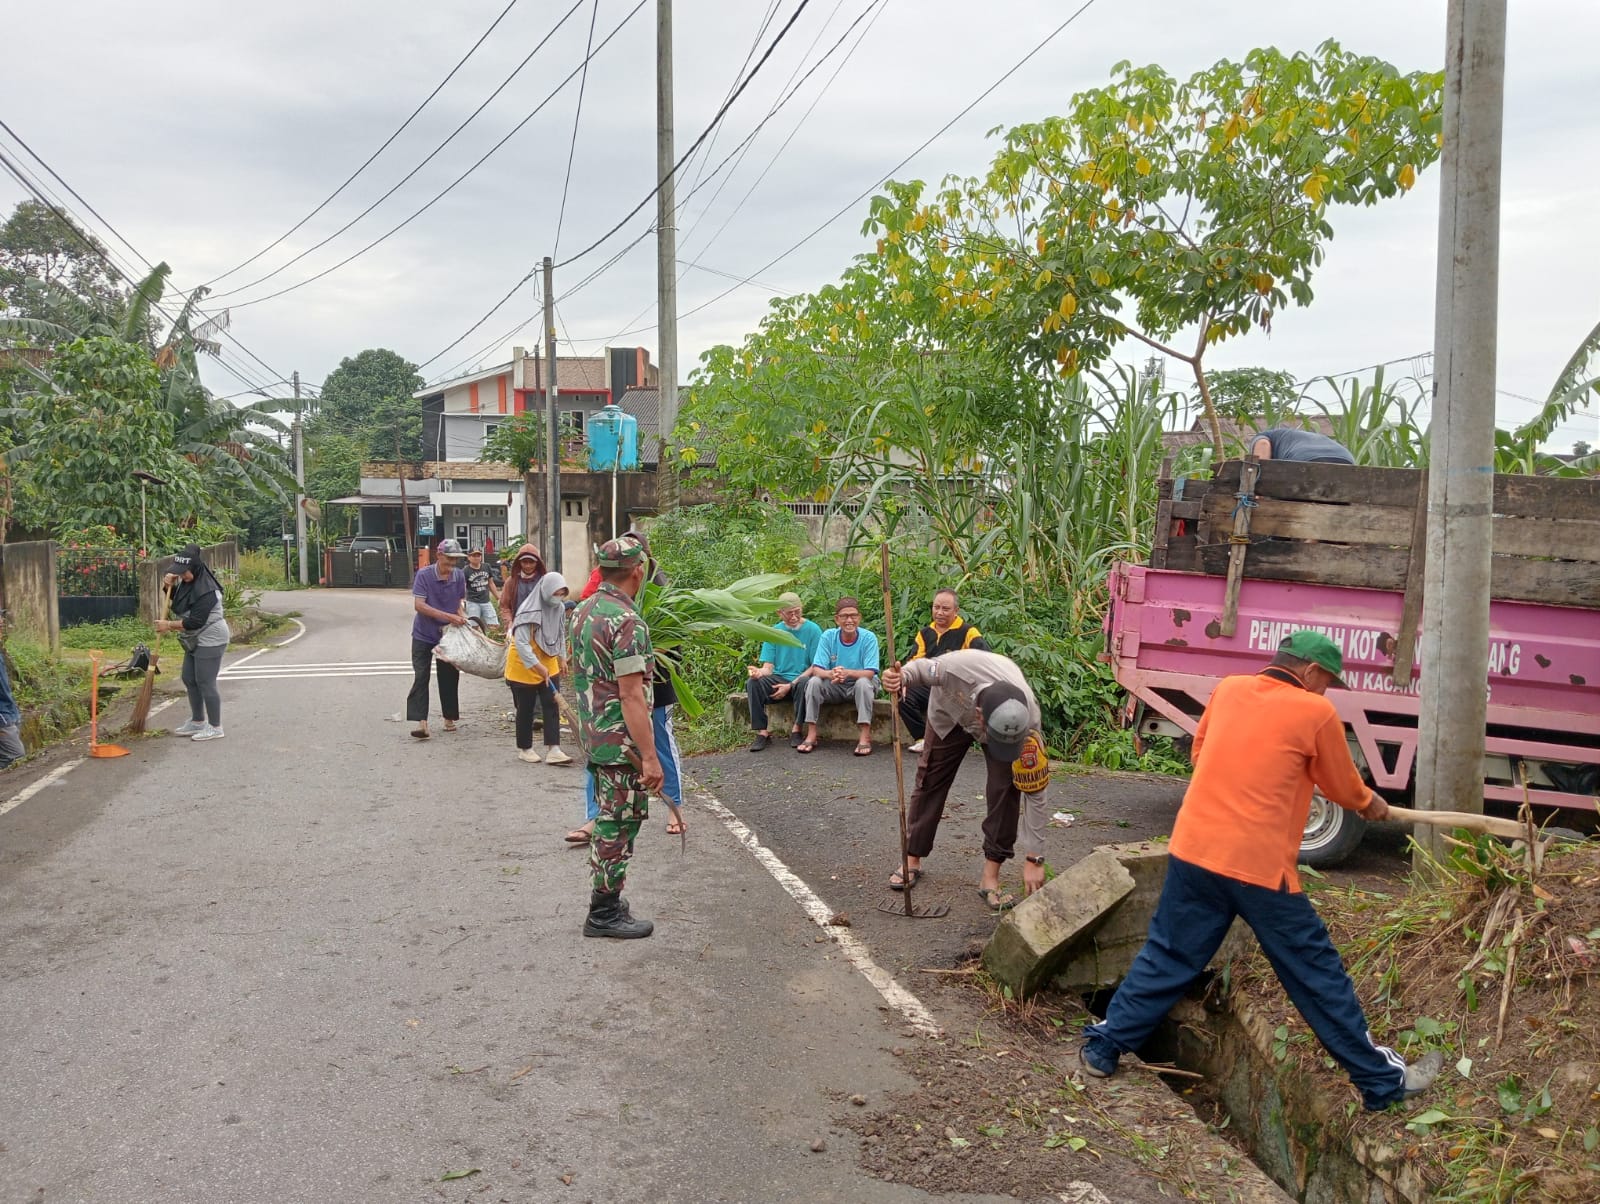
(612,667)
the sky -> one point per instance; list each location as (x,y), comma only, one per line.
(203,132)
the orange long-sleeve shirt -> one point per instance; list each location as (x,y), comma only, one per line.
(1261,746)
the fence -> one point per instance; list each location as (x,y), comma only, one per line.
(223,558)
(95,585)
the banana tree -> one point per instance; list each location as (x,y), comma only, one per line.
(710,622)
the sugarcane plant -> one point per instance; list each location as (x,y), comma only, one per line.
(715,623)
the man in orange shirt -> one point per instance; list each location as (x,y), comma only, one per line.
(1262,745)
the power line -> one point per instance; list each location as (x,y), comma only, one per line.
(120,270)
(408,176)
(350,179)
(851,204)
(102,253)
(572,150)
(704,134)
(755,43)
(439,196)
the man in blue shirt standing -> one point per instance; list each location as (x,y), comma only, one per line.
(781,666)
(845,666)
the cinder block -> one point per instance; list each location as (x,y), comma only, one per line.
(837,722)
(1034,939)
(1103,959)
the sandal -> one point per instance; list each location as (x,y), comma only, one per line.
(578,836)
(863,750)
(676,827)
(996,899)
(421,733)
(896,882)
(450,725)
(805,746)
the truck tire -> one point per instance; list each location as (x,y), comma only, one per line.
(1332,833)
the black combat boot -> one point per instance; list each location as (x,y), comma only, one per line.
(609,916)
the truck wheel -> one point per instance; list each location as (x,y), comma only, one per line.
(1331,834)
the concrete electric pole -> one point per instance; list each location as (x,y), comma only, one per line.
(1455,630)
(299,482)
(666,260)
(552,426)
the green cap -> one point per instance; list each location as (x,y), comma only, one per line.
(1317,648)
(788,600)
(621,553)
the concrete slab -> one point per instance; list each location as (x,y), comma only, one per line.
(1040,933)
(1104,957)
(838,720)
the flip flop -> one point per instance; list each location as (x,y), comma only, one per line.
(805,747)
(676,827)
(420,733)
(863,750)
(452,726)
(577,836)
(898,883)
(996,899)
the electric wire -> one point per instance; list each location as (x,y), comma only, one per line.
(572,149)
(704,134)
(350,179)
(428,159)
(755,44)
(117,234)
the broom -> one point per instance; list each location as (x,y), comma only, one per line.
(141,704)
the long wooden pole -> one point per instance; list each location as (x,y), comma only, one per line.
(894,726)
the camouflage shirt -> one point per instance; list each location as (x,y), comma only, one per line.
(609,641)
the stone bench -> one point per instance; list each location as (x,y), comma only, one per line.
(837,721)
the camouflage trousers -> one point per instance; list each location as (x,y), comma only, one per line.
(624,806)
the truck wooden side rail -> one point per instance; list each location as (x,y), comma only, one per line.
(1330,547)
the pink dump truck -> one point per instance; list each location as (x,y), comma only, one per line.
(1317,549)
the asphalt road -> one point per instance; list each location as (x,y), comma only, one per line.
(319,960)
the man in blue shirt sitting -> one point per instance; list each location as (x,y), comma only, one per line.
(845,666)
(781,666)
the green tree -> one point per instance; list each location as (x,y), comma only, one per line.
(1156,207)
(361,397)
(100,421)
(517,441)
(38,248)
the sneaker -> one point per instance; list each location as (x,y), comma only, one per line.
(1089,1068)
(207,732)
(528,755)
(1420,1074)
(761,743)
(554,756)
(189,728)
(917,747)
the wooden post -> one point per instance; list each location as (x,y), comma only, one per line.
(1405,652)
(1240,541)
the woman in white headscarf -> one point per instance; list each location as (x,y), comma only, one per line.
(534,666)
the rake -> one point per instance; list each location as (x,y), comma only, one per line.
(904,906)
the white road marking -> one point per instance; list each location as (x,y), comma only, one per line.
(250,675)
(903,1001)
(270,647)
(33,788)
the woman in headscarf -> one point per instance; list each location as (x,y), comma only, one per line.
(534,666)
(521,578)
(204,634)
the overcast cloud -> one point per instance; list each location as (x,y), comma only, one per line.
(202,131)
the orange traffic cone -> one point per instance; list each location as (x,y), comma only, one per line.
(96,749)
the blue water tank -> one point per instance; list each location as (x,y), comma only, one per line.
(613,441)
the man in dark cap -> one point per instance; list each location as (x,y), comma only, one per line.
(612,669)
(976,698)
(1265,741)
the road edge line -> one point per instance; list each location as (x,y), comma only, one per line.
(269,647)
(33,787)
(914,1011)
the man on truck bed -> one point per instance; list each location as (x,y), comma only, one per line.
(1263,743)
(1292,443)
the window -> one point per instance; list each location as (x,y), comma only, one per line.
(490,428)
(573,507)
(572,422)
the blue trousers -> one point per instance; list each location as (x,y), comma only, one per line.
(1193,916)
(666,752)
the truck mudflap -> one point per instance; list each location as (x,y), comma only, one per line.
(1164,642)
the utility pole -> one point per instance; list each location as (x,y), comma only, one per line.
(552,430)
(1455,632)
(299,481)
(405,504)
(666,260)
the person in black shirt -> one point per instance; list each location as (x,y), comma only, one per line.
(481,578)
(948,632)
